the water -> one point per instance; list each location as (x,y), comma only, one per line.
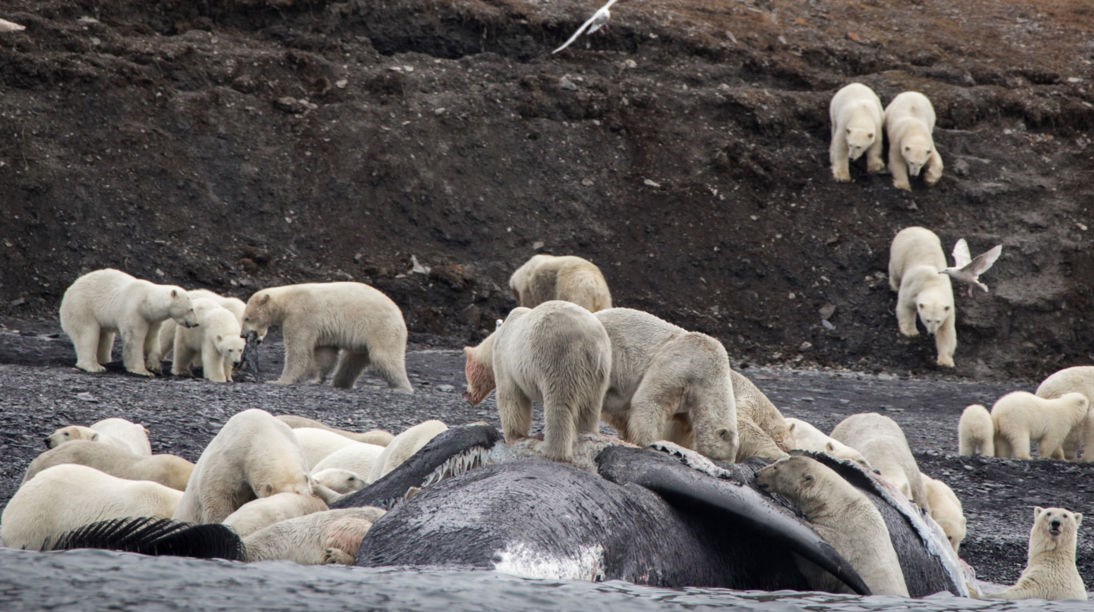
(97,579)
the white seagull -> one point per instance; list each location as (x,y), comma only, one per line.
(598,20)
(968,270)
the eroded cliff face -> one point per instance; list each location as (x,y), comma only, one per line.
(241,144)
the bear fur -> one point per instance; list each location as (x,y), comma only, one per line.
(976,432)
(372,436)
(216,344)
(260,513)
(1050,570)
(166,341)
(73,433)
(882,442)
(809,438)
(1079,379)
(1021,416)
(358,457)
(843,516)
(318,443)
(671,384)
(68,496)
(855,113)
(567,277)
(253,455)
(133,435)
(106,302)
(915,260)
(946,510)
(557,354)
(338,480)
(403,446)
(909,121)
(321,318)
(167,470)
(330,536)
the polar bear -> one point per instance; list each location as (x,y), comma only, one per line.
(403,446)
(338,480)
(73,433)
(357,457)
(855,112)
(976,432)
(842,515)
(318,319)
(946,510)
(216,344)
(330,536)
(318,443)
(166,340)
(167,470)
(557,354)
(253,455)
(915,261)
(883,444)
(1050,571)
(567,277)
(65,497)
(372,436)
(1020,416)
(100,304)
(259,513)
(133,435)
(809,438)
(909,121)
(1078,379)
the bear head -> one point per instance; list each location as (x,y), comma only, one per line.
(916,148)
(954,528)
(1054,528)
(794,477)
(860,138)
(231,347)
(933,308)
(479,370)
(181,308)
(258,315)
(842,451)
(69,434)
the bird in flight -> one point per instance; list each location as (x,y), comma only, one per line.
(598,20)
(968,270)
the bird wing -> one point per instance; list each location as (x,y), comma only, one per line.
(985,260)
(585,26)
(961,254)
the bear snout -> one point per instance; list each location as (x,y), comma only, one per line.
(47,443)
(1054,527)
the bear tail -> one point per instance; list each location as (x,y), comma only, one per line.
(156,536)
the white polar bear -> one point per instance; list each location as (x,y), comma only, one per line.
(74,433)
(976,432)
(915,260)
(1079,379)
(403,446)
(216,344)
(855,113)
(372,436)
(106,302)
(69,496)
(318,319)
(357,457)
(1050,572)
(167,470)
(1021,416)
(338,480)
(253,455)
(133,435)
(809,438)
(909,121)
(843,516)
(331,536)
(567,277)
(662,374)
(318,443)
(882,442)
(260,513)
(946,510)
(166,341)
(557,354)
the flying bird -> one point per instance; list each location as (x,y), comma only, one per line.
(598,20)
(968,270)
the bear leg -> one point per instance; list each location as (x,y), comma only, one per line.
(560,431)
(898,168)
(392,368)
(874,163)
(299,349)
(324,359)
(335,556)
(905,315)
(655,401)
(838,155)
(933,171)
(945,342)
(514,411)
(183,355)
(86,343)
(106,345)
(151,348)
(212,362)
(133,337)
(350,368)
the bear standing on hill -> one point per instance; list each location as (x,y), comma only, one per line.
(915,260)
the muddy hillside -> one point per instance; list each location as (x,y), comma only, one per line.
(430,147)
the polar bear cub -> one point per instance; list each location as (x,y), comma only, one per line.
(100,304)
(1079,379)
(318,319)
(855,113)
(883,444)
(1021,416)
(843,516)
(976,432)
(915,260)
(807,437)
(216,344)
(69,496)
(253,455)
(557,354)
(166,341)
(946,510)
(1050,571)
(909,121)
(404,445)
(567,277)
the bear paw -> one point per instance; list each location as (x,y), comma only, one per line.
(93,368)
(946,362)
(932,176)
(909,333)
(337,556)
(842,175)
(905,185)
(875,166)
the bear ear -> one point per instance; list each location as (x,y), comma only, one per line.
(263,299)
(725,434)
(791,427)
(497,324)
(219,337)
(807,480)
(1037,510)
(95,436)
(467,351)
(829,447)
(1078,518)
(174,293)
